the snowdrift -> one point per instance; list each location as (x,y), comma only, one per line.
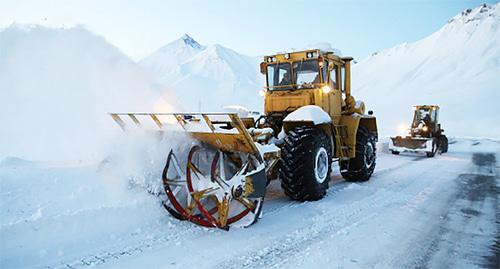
(56,88)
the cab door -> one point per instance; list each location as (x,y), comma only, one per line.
(336,94)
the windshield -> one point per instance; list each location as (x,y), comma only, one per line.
(422,116)
(279,76)
(306,73)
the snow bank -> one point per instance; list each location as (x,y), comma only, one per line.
(56,88)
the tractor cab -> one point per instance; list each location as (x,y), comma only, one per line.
(311,77)
(425,120)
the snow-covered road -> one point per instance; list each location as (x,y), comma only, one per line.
(414,212)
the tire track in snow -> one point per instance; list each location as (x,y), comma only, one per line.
(445,245)
(142,245)
(149,240)
(279,250)
(338,187)
(345,218)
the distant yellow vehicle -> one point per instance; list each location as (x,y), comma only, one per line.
(426,134)
(310,119)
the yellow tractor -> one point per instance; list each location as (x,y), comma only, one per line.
(310,120)
(425,134)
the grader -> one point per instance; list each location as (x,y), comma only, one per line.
(310,120)
(425,134)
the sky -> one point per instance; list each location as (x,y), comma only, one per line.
(358,28)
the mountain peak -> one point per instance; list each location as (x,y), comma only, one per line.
(476,14)
(190,41)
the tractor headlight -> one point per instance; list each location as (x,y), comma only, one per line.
(425,128)
(326,89)
(402,129)
(287,56)
(262,92)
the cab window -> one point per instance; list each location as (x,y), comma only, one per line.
(306,74)
(333,77)
(279,76)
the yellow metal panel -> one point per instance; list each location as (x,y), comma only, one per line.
(352,123)
(284,100)
(369,122)
(226,142)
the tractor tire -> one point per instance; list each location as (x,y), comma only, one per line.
(361,167)
(435,146)
(444,144)
(306,159)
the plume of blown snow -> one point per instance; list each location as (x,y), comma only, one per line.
(56,88)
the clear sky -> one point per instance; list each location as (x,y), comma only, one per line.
(257,27)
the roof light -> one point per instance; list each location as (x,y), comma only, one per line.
(287,56)
(326,89)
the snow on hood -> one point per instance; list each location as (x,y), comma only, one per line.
(309,113)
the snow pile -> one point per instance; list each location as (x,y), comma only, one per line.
(457,68)
(310,113)
(206,77)
(324,46)
(56,88)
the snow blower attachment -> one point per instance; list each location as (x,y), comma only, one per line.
(223,181)
(425,134)
(310,120)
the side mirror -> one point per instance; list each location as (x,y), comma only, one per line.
(263,68)
(370,112)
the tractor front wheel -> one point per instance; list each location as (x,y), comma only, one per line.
(306,164)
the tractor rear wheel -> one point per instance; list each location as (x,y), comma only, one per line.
(444,144)
(306,164)
(360,168)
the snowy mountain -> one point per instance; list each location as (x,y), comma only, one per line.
(457,67)
(206,77)
(165,63)
(56,88)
